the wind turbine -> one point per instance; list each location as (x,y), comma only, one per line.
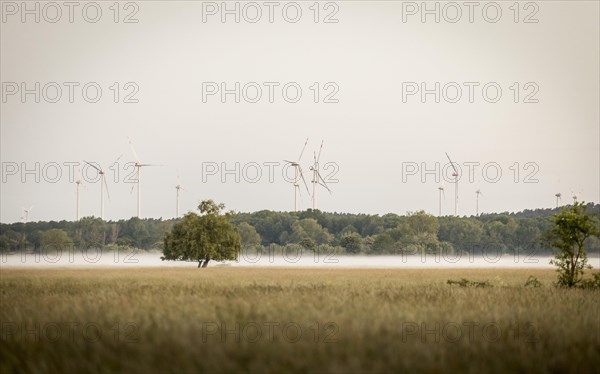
(441,189)
(103,185)
(575,196)
(455,175)
(297,176)
(26,214)
(178,187)
(558,198)
(317,179)
(138,165)
(477,193)
(79,183)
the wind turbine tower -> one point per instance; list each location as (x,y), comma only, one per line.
(558,198)
(26,214)
(477,193)
(297,176)
(78,183)
(103,185)
(441,192)
(317,178)
(138,165)
(455,175)
(177,188)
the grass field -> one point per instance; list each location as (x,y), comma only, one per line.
(299,320)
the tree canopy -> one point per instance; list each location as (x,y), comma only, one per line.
(205,237)
(572,227)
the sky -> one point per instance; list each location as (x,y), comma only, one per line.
(511,94)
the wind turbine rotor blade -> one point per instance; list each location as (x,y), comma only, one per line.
(327,188)
(117,160)
(320,149)
(451,163)
(323,181)
(304,180)
(94,166)
(303,148)
(133,151)
(448,157)
(289,162)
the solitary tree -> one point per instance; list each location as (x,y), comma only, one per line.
(571,228)
(205,237)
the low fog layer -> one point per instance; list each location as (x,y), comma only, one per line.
(133,260)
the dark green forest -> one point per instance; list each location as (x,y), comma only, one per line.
(346,233)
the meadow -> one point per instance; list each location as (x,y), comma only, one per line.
(224,319)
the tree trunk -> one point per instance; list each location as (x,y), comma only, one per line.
(205,263)
(200,264)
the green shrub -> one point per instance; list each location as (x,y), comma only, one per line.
(533,282)
(467,283)
(593,283)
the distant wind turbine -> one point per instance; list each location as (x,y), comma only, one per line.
(26,214)
(455,175)
(558,198)
(317,178)
(103,184)
(138,165)
(441,193)
(477,193)
(78,183)
(297,176)
(178,187)
(575,196)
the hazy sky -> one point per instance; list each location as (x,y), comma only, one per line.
(378,136)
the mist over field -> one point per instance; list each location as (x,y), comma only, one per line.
(98,259)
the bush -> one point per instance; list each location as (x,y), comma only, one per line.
(533,282)
(572,228)
(467,283)
(593,283)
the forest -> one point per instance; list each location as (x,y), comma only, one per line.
(344,233)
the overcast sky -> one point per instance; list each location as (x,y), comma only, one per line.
(370,68)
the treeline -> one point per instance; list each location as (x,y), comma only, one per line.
(346,233)
(412,233)
(86,233)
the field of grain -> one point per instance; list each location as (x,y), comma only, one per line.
(299,320)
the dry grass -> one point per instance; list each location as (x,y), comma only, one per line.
(350,320)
